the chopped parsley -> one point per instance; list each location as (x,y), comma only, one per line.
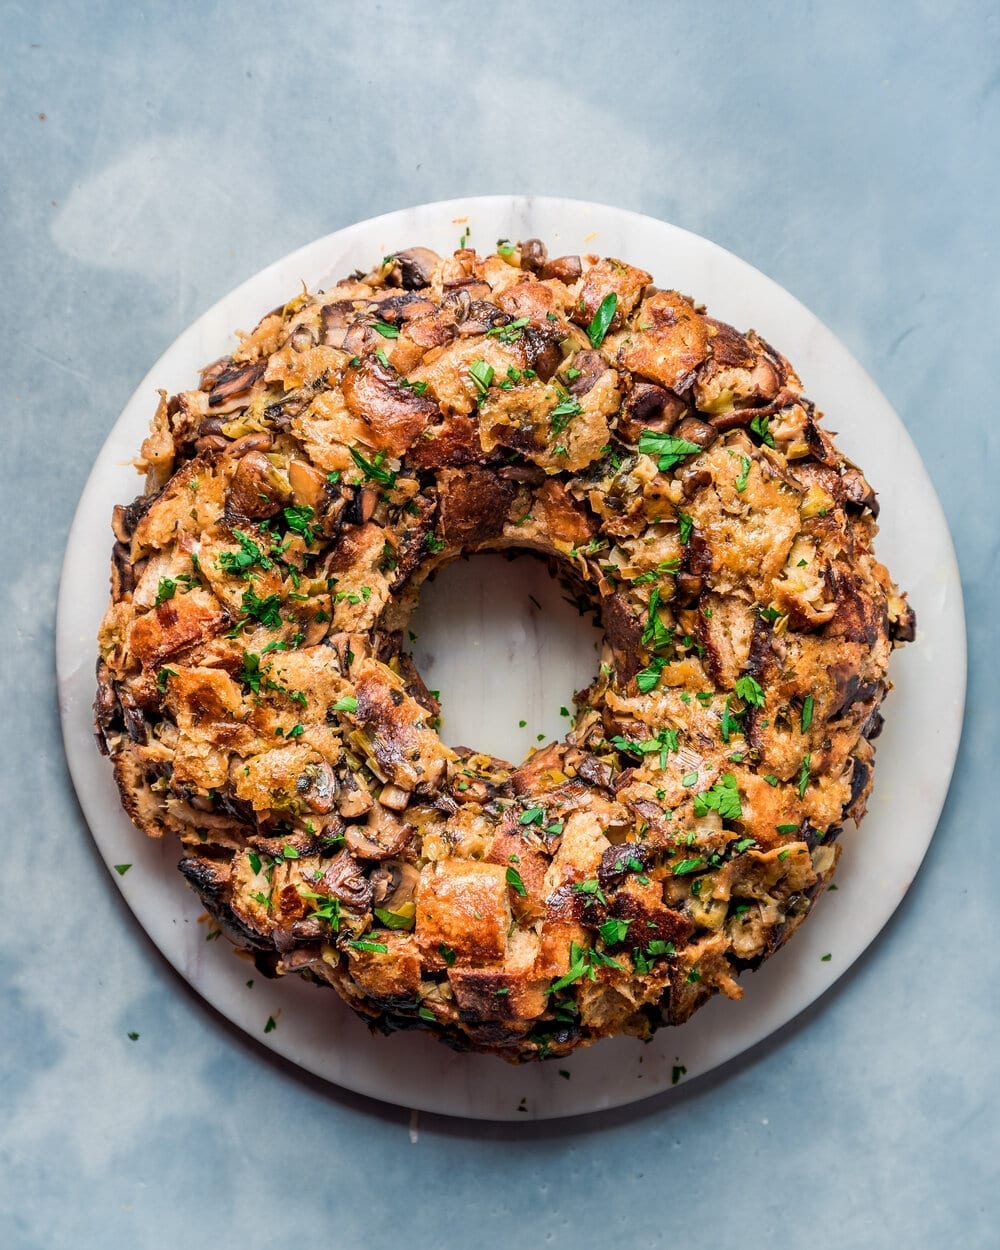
(647,677)
(614,931)
(807,712)
(387,331)
(533,816)
(271,1025)
(668,450)
(744,474)
(347,704)
(515,882)
(161,678)
(372,469)
(583,962)
(602,319)
(759,425)
(122,869)
(298,517)
(792,828)
(239,563)
(361,944)
(266,610)
(655,634)
(749,690)
(249,673)
(482,375)
(166,590)
(804,775)
(446,953)
(685,525)
(394,919)
(722,797)
(684,866)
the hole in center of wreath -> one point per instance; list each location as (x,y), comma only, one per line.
(505,651)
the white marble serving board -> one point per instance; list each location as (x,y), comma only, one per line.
(498,659)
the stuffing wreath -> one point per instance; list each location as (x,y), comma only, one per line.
(257,698)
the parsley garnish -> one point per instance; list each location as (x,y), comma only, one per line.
(264,610)
(807,712)
(684,866)
(387,331)
(328,909)
(804,776)
(122,869)
(655,634)
(347,704)
(271,1025)
(360,944)
(515,882)
(748,689)
(723,797)
(685,525)
(647,678)
(614,931)
(373,470)
(583,961)
(482,375)
(297,518)
(447,954)
(760,425)
(533,816)
(787,828)
(669,450)
(744,476)
(166,590)
(161,678)
(238,562)
(602,319)
(250,673)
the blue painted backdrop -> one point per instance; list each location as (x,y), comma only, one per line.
(154,156)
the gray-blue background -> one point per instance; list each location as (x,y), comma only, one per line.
(849,151)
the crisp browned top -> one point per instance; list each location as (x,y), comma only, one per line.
(257,698)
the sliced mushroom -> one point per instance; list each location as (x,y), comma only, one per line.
(235,381)
(533,255)
(345,879)
(394,884)
(384,835)
(694,430)
(416,267)
(563,268)
(256,488)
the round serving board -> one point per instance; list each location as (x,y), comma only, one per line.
(494,637)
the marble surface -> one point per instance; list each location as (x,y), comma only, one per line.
(152,160)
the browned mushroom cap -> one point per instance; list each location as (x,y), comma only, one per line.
(533,255)
(393,884)
(416,266)
(563,268)
(384,836)
(235,381)
(256,489)
(345,879)
(693,430)
(649,407)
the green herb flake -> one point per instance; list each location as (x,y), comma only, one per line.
(271,1025)
(515,882)
(685,524)
(298,518)
(447,954)
(482,375)
(394,919)
(533,816)
(166,590)
(387,331)
(161,678)
(614,931)
(122,869)
(722,797)
(362,944)
(372,469)
(807,712)
(676,1072)
(826,958)
(348,704)
(667,449)
(750,691)
(759,426)
(804,775)
(744,475)
(132,1037)
(602,319)
(684,866)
